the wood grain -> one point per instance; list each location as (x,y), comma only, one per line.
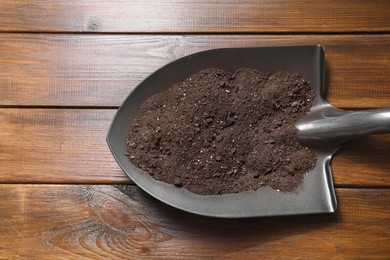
(68,146)
(56,146)
(195,16)
(106,222)
(90,70)
(364,161)
(65,66)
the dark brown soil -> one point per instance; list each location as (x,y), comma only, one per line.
(218,132)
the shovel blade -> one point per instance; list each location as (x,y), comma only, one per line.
(315,195)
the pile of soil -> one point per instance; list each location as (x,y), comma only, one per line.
(218,132)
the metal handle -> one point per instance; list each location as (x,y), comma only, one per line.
(336,126)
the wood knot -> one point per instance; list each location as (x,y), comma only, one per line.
(94,24)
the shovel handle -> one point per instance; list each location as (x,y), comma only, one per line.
(343,126)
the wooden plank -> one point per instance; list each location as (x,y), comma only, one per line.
(363,157)
(195,16)
(89,70)
(104,222)
(56,146)
(68,146)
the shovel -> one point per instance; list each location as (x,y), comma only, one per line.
(324,130)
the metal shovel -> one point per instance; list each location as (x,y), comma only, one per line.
(323,130)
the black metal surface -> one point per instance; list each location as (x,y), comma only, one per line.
(316,195)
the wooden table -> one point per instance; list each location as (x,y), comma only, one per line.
(65,67)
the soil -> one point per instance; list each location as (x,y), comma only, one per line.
(219,132)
